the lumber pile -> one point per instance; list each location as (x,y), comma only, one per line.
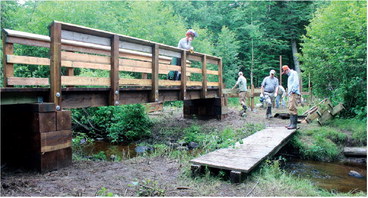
(322,112)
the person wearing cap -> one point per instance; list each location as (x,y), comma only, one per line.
(293,94)
(184,43)
(242,82)
(269,88)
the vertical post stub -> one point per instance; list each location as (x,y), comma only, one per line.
(114,71)
(221,84)
(154,93)
(55,64)
(183,89)
(204,77)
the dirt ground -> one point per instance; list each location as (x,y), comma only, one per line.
(158,174)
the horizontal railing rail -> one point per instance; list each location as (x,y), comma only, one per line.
(72,46)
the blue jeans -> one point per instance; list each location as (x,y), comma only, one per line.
(278,98)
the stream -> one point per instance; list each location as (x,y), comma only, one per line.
(329,176)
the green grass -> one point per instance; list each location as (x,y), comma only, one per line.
(319,143)
(357,127)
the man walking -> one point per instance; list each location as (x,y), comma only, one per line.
(242,82)
(269,90)
(294,94)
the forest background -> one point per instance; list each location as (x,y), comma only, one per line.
(324,39)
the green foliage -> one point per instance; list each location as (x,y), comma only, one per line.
(334,53)
(78,143)
(148,188)
(99,156)
(227,47)
(319,143)
(357,127)
(193,134)
(270,175)
(103,192)
(118,124)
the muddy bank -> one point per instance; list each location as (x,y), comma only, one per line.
(146,175)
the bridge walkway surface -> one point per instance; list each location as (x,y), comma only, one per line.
(242,158)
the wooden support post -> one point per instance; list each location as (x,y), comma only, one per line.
(221,84)
(154,92)
(144,76)
(236,176)
(70,72)
(114,71)
(8,68)
(197,170)
(252,100)
(183,90)
(55,64)
(281,70)
(204,77)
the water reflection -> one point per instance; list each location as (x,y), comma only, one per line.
(330,176)
(119,151)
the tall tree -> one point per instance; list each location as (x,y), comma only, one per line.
(335,54)
(227,47)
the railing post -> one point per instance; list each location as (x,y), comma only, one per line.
(220,77)
(252,100)
(8,68)
(204,77)
(114,71)
(183,89)
(154,93)
(55,64)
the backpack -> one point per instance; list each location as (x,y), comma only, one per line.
(174,75)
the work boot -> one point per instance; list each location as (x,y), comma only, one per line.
(287,126)
(245,108)
(294,121)
(268,114)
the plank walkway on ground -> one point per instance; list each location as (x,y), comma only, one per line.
(245,156)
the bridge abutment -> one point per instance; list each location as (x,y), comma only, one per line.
(206,108)
(35,137)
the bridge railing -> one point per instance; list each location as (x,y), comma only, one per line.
(72,46)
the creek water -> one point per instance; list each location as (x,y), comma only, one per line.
(121,151)
(329,176)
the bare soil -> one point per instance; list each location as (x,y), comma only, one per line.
(156,175)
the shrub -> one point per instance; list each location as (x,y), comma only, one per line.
(116,123)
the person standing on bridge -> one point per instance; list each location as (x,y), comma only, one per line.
(269,88)
(294,95)
(242,82)
(185,43)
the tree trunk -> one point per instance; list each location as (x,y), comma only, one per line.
(294,50)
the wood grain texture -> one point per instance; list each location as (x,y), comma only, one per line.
(246,156)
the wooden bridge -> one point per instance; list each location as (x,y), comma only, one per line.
(36,127)
(245,156)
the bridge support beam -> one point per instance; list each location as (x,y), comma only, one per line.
(35,137)
(206,108)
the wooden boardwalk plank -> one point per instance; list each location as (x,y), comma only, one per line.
(249,153)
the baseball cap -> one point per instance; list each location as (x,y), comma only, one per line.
(273,72)
(284,68)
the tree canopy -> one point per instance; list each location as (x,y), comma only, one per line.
(329,41)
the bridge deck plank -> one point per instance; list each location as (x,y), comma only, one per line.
(247,155)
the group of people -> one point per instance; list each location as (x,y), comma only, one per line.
(271,90)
